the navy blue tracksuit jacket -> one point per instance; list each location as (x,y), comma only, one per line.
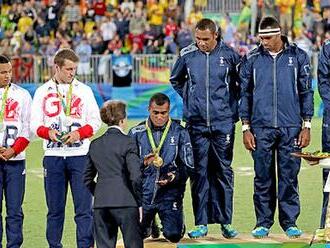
(167,200)
(276,96)
(323,73)
(207,82)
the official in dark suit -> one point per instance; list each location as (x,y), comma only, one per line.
(114,158)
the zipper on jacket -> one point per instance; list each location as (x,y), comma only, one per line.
(155,186)
(157,140)
(207,91)
(275,93)
(226,79)
(295,80)
(254,80)
(189,76)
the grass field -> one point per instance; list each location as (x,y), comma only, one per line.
(244,220)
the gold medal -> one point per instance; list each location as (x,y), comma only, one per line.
(158,161)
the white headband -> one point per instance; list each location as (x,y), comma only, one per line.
(269,31)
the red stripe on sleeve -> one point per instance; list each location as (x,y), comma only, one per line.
(20,144)
(85,131)
(43,132)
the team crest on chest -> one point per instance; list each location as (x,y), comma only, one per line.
(222,61)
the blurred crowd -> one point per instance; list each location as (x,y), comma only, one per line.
(94,27)
(305,22)
(146,26)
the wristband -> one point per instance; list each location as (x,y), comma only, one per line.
(245,127)
(307,124)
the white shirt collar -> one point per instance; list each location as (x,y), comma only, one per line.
(117,127)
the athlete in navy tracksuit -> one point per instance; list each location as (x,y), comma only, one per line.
(324,90)
(276,97)
(163,187)
(205,77)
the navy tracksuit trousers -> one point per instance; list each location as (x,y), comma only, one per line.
(12,186)
(212,180)
(58,173)
(272,143)
(325,148)
(171,216)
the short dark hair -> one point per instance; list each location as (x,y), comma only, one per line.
(205,24)
(159,99)
(269,22)
(112,112)
(63,54)
(4,59)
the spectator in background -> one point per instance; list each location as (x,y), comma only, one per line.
(84,51)
(72,13)
(229,30)
(152,47)
(170,46)
(285,14)
(184,36)
(244,20)
(171,28)
(114,45)
(137,23)
(304,42)
(41,28)
(108,29)
(96,41)
(99,9)
(127,4)
(24,23)
(30,10)
(194,17)
(122,25)
(155,14)
(53,14)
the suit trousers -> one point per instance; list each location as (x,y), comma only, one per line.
(106,223)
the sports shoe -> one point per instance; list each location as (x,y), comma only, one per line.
(293,232)
(228,231)
(319,233)
(260,232)
(155,230)
(198,232)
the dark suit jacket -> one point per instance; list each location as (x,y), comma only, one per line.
(114,158)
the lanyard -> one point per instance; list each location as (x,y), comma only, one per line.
(155,149)
(66,105)
(3,103)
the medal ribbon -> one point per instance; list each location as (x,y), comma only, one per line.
(66,105)
(155,149)
(3,103)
